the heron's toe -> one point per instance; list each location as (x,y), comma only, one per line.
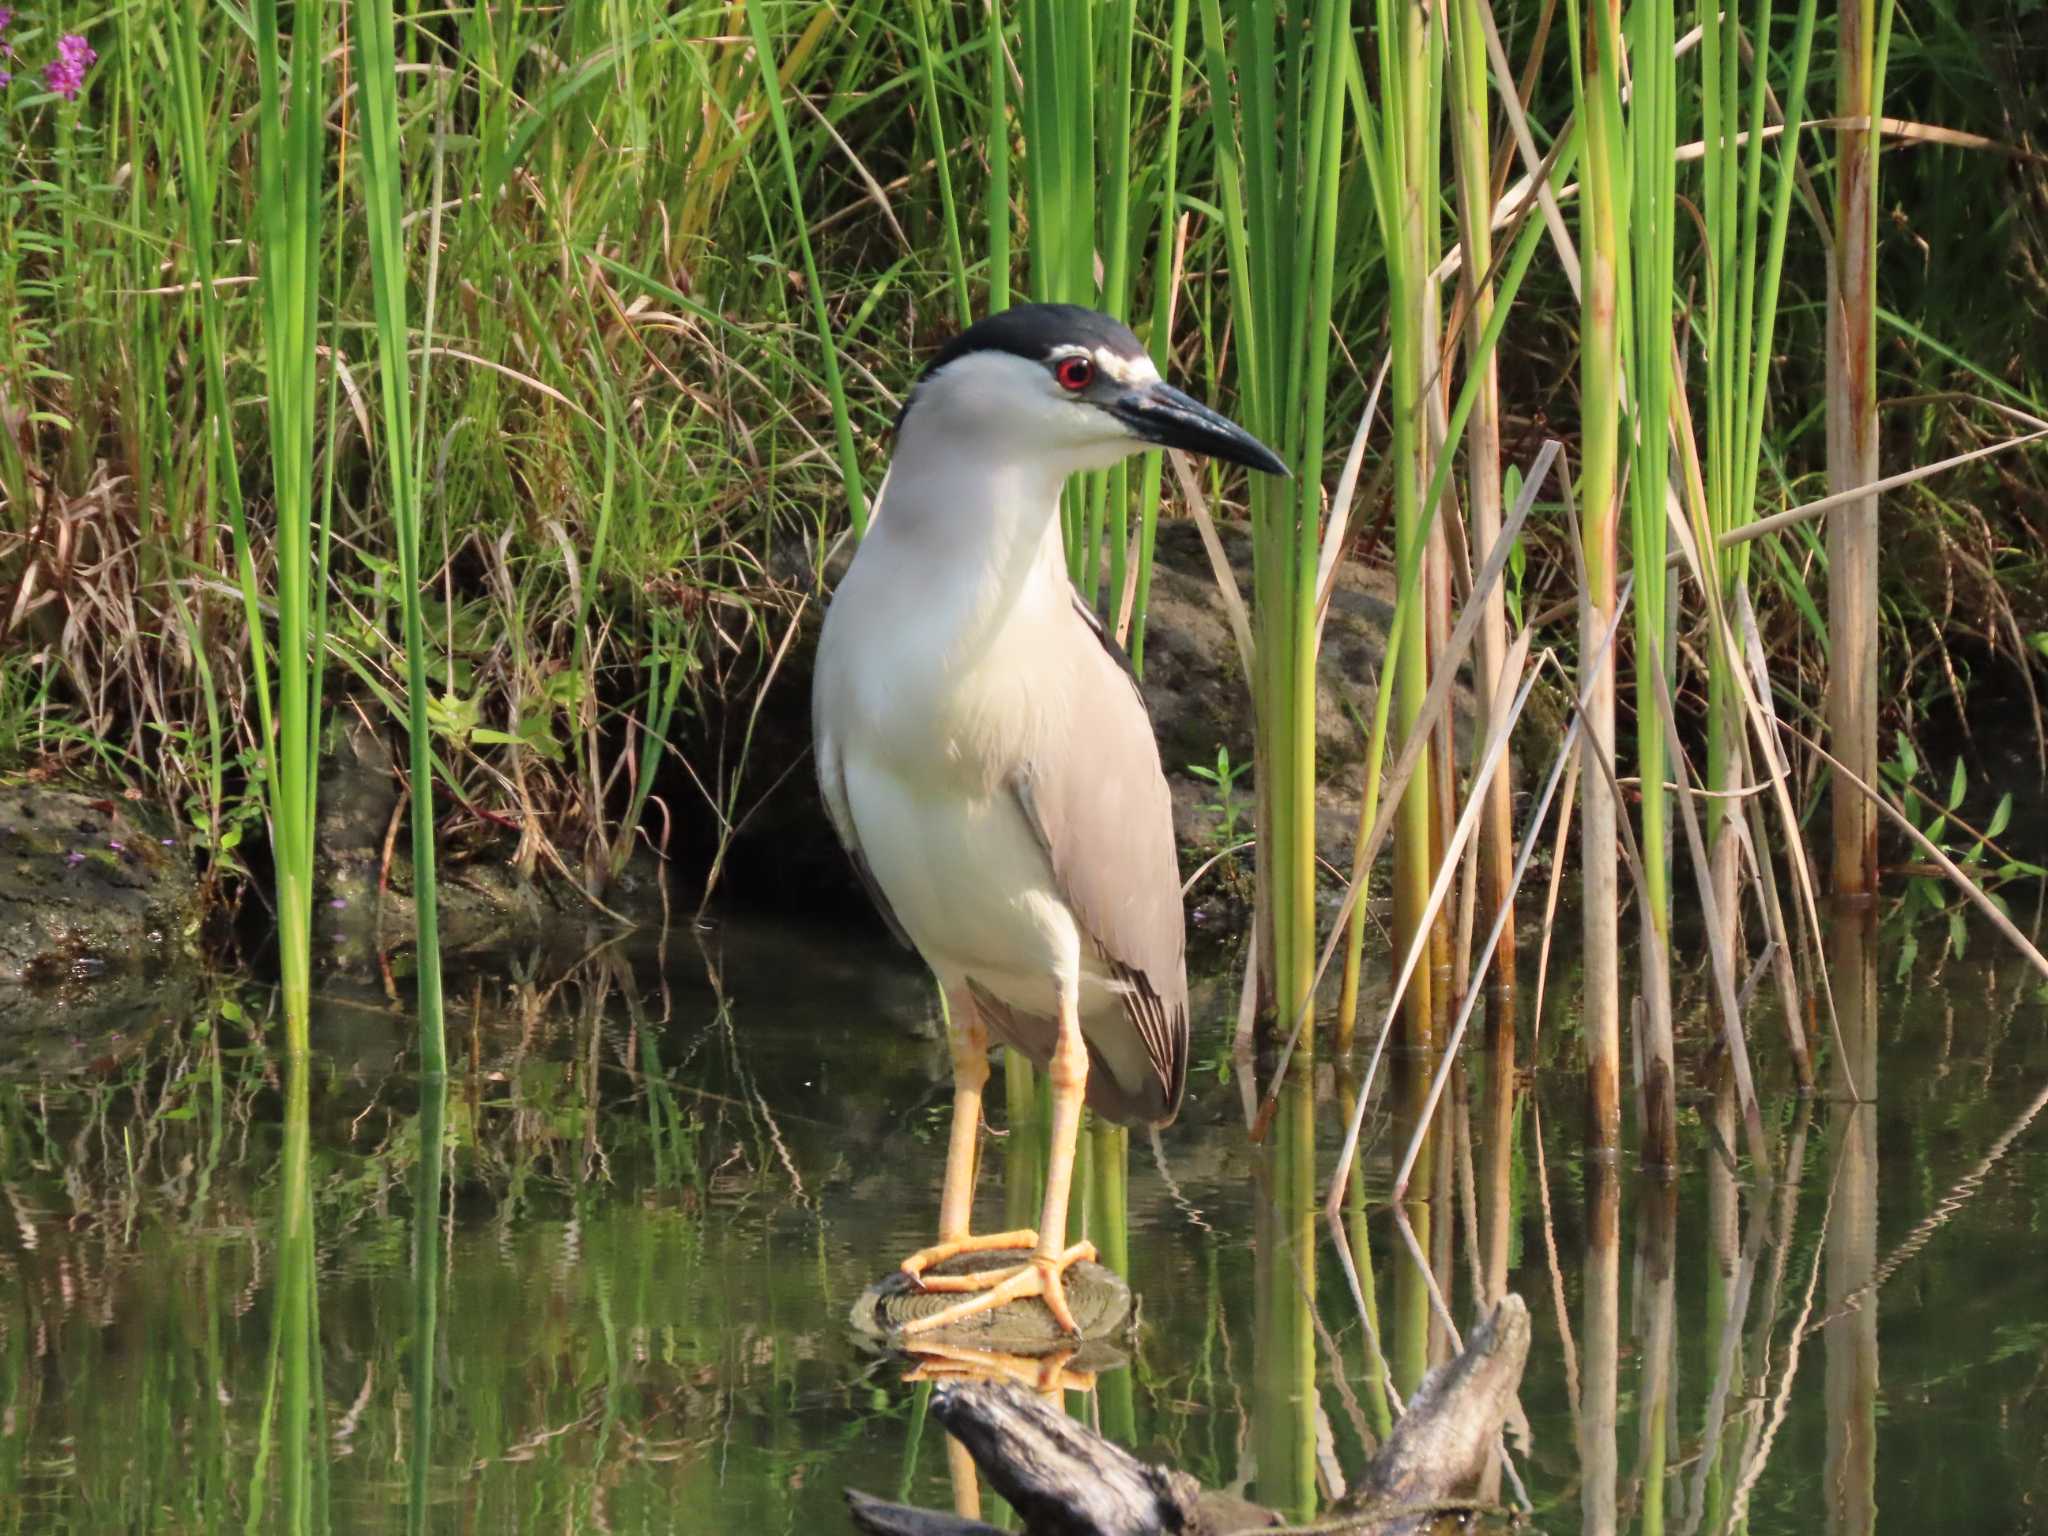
(1052,1289)
(925,1258)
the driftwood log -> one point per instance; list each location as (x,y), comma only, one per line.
(1065,1480)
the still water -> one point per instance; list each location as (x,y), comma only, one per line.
(672,1168)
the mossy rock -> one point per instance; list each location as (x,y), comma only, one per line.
(1100,1300)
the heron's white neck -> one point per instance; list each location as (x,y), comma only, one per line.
(970,534)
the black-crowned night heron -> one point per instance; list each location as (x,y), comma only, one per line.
(987,760)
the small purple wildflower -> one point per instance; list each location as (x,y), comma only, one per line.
(74,858)
(168,842)
(65,74)
(338,902)
(115,846)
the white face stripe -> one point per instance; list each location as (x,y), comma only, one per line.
(1125,370)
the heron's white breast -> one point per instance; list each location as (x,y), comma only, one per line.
(934,700)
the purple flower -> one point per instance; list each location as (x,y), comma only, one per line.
(65,74)
(338,903)
(115,846)
(74,858)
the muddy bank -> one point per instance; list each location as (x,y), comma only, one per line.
(100,897)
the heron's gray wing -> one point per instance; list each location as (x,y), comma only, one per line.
(1098,803)
(832,788)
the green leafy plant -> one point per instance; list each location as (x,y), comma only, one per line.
(1225,807)
(1934,809)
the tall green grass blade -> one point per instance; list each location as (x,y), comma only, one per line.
(935,127)
(828,345)
(998,128)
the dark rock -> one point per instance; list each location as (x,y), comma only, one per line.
(1098,1298)
(363,903)
(1195,687)
(98,902)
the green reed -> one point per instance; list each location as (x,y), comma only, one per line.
(1472,147)
(383,184)
(1407,180)
(1746,240)
(288,224)
(1068,206)
(1603,189)
(1278,132)
(1651,217)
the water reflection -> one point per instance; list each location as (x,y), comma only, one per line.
(664,1185)
(1851,1477)
(295,1354)
(1283,1367)
(427,1250)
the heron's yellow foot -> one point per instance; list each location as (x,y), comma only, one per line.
(1043,1276)
(938,1253)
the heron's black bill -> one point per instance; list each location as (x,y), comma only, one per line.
(1161,414)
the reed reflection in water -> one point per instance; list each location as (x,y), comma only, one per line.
(665,1180)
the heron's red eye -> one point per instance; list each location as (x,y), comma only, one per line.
(1075,374)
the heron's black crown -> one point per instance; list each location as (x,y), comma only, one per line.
(1033,331)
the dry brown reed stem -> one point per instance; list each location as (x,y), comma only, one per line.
(1852,449)
(1755,849)
(1347,1156)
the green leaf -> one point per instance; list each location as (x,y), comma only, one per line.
(453,716)
(1958,785)
(2000,817)
(564,688)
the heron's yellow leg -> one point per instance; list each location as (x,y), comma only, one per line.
(1043,1275)
(956,1195)
(966,1481)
